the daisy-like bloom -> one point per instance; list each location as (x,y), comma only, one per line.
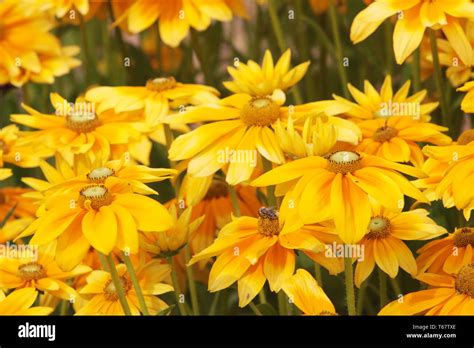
(76,129)
(175,18)
(28,51)
(338,186)
(103,216)
(447,255)
(252,251)
(303,290)
(13,152)
(383,244)
(371,104)
(414,17)
(38,270)
(170,242)
(61,7)
(155,99)
(243,132)
(460,158)
(21,302)
(13,228)
(12,199)
(448,295)
(103,296)
(395,138)
(467,104)
(262,80)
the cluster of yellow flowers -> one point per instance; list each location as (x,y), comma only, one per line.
(258,181)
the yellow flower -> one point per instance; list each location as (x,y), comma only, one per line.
(13,197)
(169,243)
(262,80)
(177,17)
(243,132)
(76,129)
(447,255)
(371,104)
(39,270)
(28,51)
(303,290)
(14,152)
(13,228)
(342,182)
(467,104)
(20,302)
(103,295)
(62,7)
(103,216)
(155,99)
(395,138)
(449,295)
(383,243)
(414,17)
(252,251)
(452,186)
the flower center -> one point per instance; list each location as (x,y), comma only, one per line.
(465,280)
(160,84)
(268,223)
(31,271)
(98,175)
(343,162)
(82,122)
(110,291)
(466,137)
(218,189)
(98,195)
(464,237)
(384,133)
(379,227)
(260,112)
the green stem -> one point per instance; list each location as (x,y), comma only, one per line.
(318,275)
(85,47)
(64,307)
(214,303)
(201,57)
(271,200)
(262,296)
(136,284)
(277,29)
(439,78)
(395,286)
(177,292)
(320,33)
(338,46)
(118,285)
(281,303)
(349,280)
(234,201)
(382,287)
(103,262)
(254,308)
(361,298)
(118,35)
(191,282)
(416,70)
(388,33)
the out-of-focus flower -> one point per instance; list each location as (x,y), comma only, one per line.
(13,197)
(13,151)
(383,243)
(252,251)
(303,290)
(13,228)
(414,17)
(28,51)
(395,138)
(447,255)
(467,104)
(448,295)
(103,296)
(242,134)
(21,302)
(39,270)
(371,104)
(260,81)
(77,129)
(177,17)
(451,188)
(342,181)
(166,59)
